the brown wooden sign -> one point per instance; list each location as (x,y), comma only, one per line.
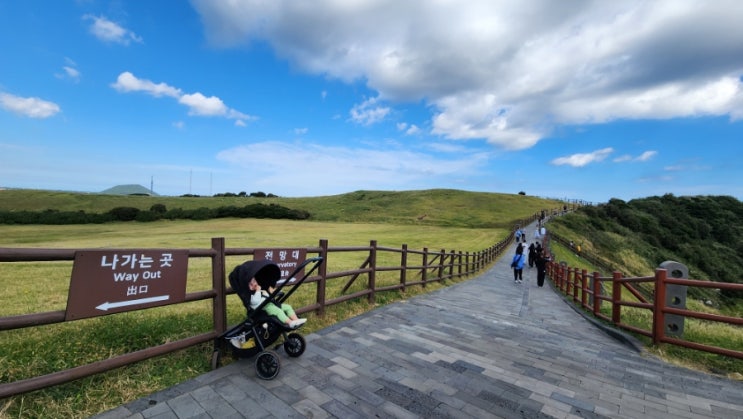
(113,281)
(286,259)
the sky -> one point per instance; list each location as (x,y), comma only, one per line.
(572,99)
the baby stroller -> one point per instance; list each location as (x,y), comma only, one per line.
(259,330)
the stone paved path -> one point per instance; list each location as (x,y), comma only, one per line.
(485,348)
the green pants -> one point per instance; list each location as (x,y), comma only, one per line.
(282,313)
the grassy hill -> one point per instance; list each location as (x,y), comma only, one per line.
(703,232)
(436,207)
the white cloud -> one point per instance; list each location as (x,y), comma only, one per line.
(197,103)
(508,72)
(70,71)
(645,156)
(111,32)
(32,107)
(583,159)
(300,131)
(203,106)
(127,82)
(411,129)
(368,112)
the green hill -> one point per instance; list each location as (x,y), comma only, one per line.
(439,207)
(129,190)
(703,232)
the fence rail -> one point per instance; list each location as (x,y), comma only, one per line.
(589,291)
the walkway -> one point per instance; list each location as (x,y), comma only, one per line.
(484,348)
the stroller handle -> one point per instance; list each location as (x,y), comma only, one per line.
(296,283)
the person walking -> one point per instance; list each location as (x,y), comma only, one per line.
(518,265)
(532,254)
(541,263)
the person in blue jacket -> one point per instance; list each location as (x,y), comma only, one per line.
(518,264)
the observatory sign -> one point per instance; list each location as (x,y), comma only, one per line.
(113,281)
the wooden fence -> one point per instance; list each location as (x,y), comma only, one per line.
(589,291)
(415,268)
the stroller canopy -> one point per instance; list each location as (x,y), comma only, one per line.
(265,272)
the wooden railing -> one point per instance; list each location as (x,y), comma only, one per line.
(416,268)
(589,291)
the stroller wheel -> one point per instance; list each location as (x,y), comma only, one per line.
(216,359)
(267,365)
(294,345)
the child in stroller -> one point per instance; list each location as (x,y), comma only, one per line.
(260,330)
(285,313)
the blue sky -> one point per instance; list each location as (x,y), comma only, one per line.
(587,100)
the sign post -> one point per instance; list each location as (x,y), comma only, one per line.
(117,280)
(286,259)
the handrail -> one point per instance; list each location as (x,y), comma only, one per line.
(589,295)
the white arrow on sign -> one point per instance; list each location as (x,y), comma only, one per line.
(105,306)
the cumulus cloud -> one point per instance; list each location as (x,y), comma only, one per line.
(508,72)
(583,159)
(32,107)
(127,82)
(197,103)
(111,32)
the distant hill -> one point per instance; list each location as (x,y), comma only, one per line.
(129,190)
(435,207)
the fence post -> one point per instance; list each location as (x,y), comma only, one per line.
(372,273)
(596,294)
(576,284)
(564,276)
(404,266)
(453,256)
(616,297)
(321,284)
(424,276)
(442,261)
(219,305)
(659,303)
(584,288)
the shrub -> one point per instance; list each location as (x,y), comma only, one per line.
(159,208)
(124,213)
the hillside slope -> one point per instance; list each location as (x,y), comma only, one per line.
(703,232)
